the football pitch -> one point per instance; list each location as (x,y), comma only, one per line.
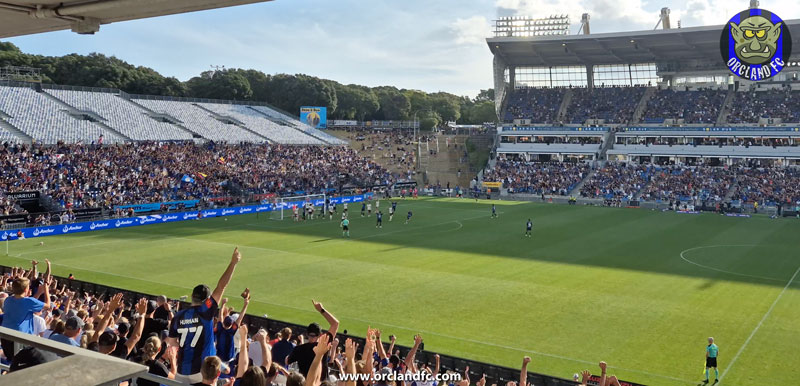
(639,289)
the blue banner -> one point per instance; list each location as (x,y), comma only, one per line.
(54,230)
(555,128)
(157,205)
(316,117)
(713,129)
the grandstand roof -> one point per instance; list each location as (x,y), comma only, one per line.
(21,17)
(677,44)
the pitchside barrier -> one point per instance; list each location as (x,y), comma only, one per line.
(125,222)
(494,374)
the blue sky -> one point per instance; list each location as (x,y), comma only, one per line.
(430,45)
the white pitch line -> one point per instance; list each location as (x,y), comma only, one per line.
(722,270)
(372,322)
(758,326)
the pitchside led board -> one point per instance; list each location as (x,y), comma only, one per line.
(316,117)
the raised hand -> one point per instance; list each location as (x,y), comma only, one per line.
(585,376)
(349,349)
(323,345)
(482,381)
(418,340)
(526,360)
(603,366)
(317,305)
(236,257)
(141,306)
(246,295)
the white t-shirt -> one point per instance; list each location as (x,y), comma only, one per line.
(254,350)
(39,325)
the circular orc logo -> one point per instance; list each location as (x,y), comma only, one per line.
(755,44)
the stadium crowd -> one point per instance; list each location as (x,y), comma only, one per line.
(677,182)
(90,176)
(766,184)
(613,104)
(207,342)
(616,180)
(539,105)
(700,106)
(750,106)
(554,178)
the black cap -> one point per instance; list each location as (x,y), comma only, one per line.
(200,293)
(107,339)
(29,357)
(313,330)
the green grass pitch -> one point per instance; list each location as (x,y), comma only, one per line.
(639,289)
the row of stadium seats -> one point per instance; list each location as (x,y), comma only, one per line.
(616,105)
(45,117)
(47,121)
(82,176)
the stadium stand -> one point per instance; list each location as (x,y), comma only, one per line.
(82,176)
(611,104)
(121,115)
(616,180)
(200,121)
(751,106)
(45,120)
(259,123)
(689,183)
(767,185)
(701,106)
(555,178)
(539,105)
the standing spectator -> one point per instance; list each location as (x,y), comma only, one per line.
(282,348)
(192,329)
(72,332)
(19,308)
(304,353)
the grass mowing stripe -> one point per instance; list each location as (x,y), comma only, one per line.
(758,326)
(722,270)
(376,323)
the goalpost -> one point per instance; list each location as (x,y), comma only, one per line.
(283,206)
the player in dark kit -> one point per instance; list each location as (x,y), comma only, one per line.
(494,211)
(528,228)
(379,216)
(408,217)
(363,208)
(192,329)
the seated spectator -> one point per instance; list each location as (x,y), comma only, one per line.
(72,331)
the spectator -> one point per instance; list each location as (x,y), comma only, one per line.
(72,332)
(19,308)
(304,353)
(282,348)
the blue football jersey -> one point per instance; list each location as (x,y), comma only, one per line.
(194,329)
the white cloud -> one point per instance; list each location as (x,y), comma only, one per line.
(471,31)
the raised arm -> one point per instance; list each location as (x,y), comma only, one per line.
(413,353)
(33,272)
(391,346)
(244,355)
(379,344)
(246,297)
(332,321)
(350,357)
(314,372)
(266,354)
(438,365)
(586,375)
(141,310)
(47,273)
(225,279)
(221,310)
(523,373)
(603,379)
(112,306)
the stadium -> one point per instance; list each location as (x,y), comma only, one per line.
(616,203)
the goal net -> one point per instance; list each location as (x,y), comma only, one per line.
(284,206)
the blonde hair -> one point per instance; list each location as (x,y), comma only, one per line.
(211,368)
(152,346)
(19,286)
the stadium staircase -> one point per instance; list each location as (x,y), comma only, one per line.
(444,166)
(288,124)
(152,113)
(562,110)
(642,106)
(725,109)
(607,145)
(576,191)
(231,120)
(17,133)
(96,117)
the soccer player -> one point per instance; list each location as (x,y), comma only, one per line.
(363,208)
(528,228)
(391,213)
(294,213)
(408,217)
(192,329)
(344,205)
(369,209)
(346,227)
(377,204)
(331,209)
(379,215)
(494,211)
(711,359)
